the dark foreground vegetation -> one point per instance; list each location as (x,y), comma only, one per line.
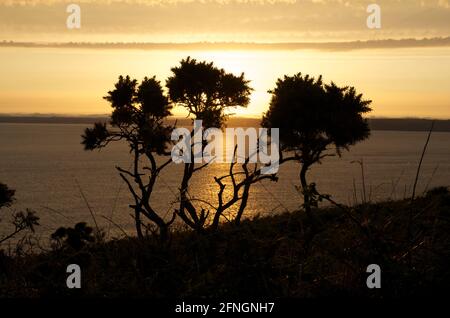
(279,256)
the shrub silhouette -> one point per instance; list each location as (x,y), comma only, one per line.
(316,120)
(138,119)
(6,195)
(76,238)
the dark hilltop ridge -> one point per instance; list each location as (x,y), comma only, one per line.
(395,124)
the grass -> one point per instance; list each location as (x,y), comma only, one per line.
(275,256)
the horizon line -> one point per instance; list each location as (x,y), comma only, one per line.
(89,116)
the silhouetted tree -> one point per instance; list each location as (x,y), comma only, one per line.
(20,220)
(138,119)
(316,120)
(206,91)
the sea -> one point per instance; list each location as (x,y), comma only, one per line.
(54,176)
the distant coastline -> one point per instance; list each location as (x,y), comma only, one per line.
(393,124)
(331,46)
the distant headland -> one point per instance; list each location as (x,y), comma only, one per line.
(395,124)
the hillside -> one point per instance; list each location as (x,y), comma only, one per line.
(277,256)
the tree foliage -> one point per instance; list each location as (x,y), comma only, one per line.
(207,91)
(312,116)
(137,117)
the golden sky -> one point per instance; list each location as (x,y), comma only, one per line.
(402,82)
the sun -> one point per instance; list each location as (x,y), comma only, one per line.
(249,63)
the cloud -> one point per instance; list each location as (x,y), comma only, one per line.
(141,2)
(423,3)
(275,18)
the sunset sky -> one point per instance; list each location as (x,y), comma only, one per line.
(406,81)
